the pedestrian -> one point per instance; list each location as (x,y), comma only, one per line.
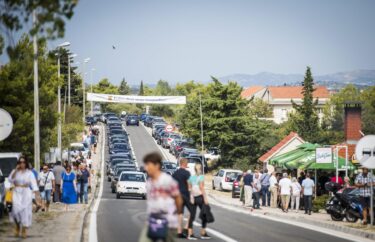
(339,179)
(68,187)
(164,202)
(307,190)
(347,182)
(198,198)
(301,177)
(273,190)
(248,181)
(266,194)
(285,188)
(83,181)
(242,188)
(46,186)
(182,176)
(57,171)
(296,194)
(93,142)
(35,202)
(22,179)
(363,182)
(257,186)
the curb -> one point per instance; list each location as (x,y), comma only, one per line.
(343,229)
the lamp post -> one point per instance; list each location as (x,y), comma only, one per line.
(83,89)
(71,56)
(201,114)
(92,73)
(63,45)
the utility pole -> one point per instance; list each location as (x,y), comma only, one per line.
(36,101)
(69,80)
(200,110)
(83,90)
(59,109)
(92,106)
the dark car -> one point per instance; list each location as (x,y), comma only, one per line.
(236,189)
(161,136)
(132,120)
(143,117)
(89,120)
(169,167)
(148,121)
(118,148)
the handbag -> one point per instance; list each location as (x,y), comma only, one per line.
(206,214)
(9,196)
(157,227)
(41,188)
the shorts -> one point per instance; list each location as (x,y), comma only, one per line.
(365,202)
(95,144)
(46,195)
(186,203)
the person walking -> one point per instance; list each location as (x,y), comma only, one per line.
(198,198)
(93,142)
(57,171)
(25,185)
(296,194)
(266,194)
(248,181)
(273,190)
(285,188)
(363,182)
(164,202)
(46,186)
(68,187)
(307,190)
(182,176)
(83,181)
(257,186)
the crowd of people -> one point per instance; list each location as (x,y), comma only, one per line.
(67,183)
(289,192)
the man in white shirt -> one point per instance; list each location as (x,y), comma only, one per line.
(273,190)
(285,189)
(307,189)
(46,186)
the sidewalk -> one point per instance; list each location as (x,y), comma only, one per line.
(321,219)
(57,225)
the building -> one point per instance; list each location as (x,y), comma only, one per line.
(280,98)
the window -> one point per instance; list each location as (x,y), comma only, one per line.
(132,177)
(221,173)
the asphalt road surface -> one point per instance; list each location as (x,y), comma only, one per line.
(120,220)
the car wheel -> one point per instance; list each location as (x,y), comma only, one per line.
(213,185)
(221,187)
(233,195)
(144,197)
(109,179)
(117,196)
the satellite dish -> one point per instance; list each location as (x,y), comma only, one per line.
(365,151)
(6,124)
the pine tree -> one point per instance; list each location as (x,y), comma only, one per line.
(124,88)
(305,120)
(141,91)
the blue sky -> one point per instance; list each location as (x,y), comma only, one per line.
(181,40)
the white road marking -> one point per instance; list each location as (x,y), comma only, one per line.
(319,229)
(93,233)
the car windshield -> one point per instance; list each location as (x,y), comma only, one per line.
(77,148)
(232,175)
(193,160)
(132,177)
(120,146)
(170,166)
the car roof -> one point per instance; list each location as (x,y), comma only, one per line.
(133,172)
(76,144)
(231,170)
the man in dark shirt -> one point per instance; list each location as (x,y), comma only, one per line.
(248,188)
(83,181)
(182,176)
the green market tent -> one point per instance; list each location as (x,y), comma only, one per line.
(330,166)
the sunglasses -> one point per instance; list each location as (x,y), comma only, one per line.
(22,161)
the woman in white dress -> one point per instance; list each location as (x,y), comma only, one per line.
(24,183)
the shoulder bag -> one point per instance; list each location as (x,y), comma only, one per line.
(157,227)
(41,188)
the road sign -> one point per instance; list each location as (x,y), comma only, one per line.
(365,151)
(169,128)
(6,124)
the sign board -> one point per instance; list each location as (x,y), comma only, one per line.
(6,124)
(323,155)
(169,128)
(365,151)
(98,97)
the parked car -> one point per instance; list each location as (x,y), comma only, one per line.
(213,153)
(148,121)
(236,189)
(132,120)
(179,146)
(132,184)
(114,179)
(156,120)
(89,120)
(167,140)
(159,136)
(169,167)
(143,117)
(224,179)
(156,127)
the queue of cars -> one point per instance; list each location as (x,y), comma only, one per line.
(121,167)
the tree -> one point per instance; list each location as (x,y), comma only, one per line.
(124,88)
(104,86)
(260,108)
(141,91)
(305,119)
(16,91)
(50,15)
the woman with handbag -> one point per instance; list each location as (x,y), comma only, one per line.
(46,187)
(25,185)
(198,198)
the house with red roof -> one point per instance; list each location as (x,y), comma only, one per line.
(280,98)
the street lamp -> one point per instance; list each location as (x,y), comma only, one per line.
(83,89)
(63,45)
(92,73)
(71,56)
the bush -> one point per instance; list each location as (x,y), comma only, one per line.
(320,202)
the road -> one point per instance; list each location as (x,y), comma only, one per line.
(121,220)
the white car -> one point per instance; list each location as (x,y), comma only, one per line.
(224,178)
(132,184)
